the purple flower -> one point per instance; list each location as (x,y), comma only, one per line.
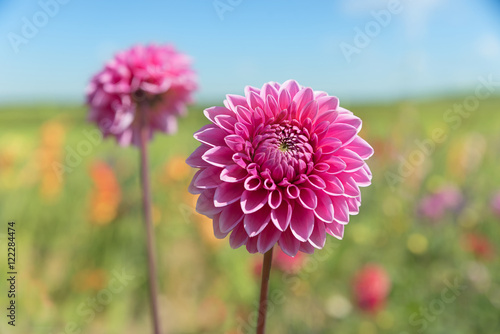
(143,86)
(495,204)
(282,164)
(436,205)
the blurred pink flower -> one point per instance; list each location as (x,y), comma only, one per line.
(371,287)
(154,80)
(495,204)
(436,205)
(282,164)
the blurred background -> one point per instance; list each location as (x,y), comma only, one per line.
(422,255)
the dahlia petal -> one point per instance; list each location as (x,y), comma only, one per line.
(252,201)
(329,116)
(271,108)
(252,183)
(353,205)
(208,178)
(324,210)
(210,135)
(330,145)
(281,216)
(318,235)
(192,189)
(238,237)
(351,189)
(125,138)
(275,199)
(268,90)
(212,112)
(306,247)
(284,99)
(255,222)
(301,99)
(321,128)
(217,232)
(227,193)
(362,178)
(316,181)
(344,132)
(336,164)
(292,191)
(308,198)
(241,130)
(229,217)
(352,160)
(361,147)
(236,100)
(291,86)
(249,89)
(233,173)
(309,111)
(252,245)
(334,186)
(234,142)
(302,223)
(226,122)
(243,115)
(268,238)
(288,243)
(205,204)
(255,101)
(327,103)
(349,119)
(219,156)
(341,210)
(335,229)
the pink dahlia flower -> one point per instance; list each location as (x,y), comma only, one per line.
(282,164)
(143,86)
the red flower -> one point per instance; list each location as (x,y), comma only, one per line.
(371,287)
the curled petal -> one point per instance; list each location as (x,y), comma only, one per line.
(233,173)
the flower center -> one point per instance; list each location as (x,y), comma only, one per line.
(283,151)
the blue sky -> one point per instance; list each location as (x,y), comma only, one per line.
(429,47)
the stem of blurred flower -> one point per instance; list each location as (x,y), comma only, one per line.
(264,288)
(146,202)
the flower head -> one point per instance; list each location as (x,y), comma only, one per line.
(143,86)
(282,164)
(436,205)
(371,287)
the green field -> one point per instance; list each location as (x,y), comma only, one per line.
(79,231)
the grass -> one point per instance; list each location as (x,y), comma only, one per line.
(66,258)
